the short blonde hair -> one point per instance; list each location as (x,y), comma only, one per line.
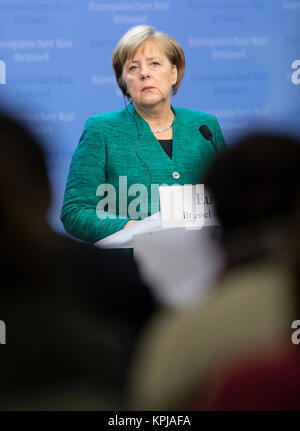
(131,41)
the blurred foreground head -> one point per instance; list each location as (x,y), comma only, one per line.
(70,333)
(24,186)
(255,185)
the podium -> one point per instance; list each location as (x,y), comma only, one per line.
(179,265)
(178,257)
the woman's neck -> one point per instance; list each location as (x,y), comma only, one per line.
(157,117)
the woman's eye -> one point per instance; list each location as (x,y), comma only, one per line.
(155,63)
(132,68)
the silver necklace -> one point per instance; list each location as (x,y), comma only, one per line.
(166,128)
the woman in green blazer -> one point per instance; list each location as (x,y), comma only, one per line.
(124,156)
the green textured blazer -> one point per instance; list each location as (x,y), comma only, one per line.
(120,163)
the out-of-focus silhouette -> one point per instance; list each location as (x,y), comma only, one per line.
(255,185)
(72,312)
(270,378)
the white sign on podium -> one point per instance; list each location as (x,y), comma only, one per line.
(184,206)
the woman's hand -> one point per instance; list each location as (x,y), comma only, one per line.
(129,223)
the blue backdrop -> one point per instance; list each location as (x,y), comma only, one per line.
(243,64)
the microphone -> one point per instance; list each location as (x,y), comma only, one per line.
(206,133)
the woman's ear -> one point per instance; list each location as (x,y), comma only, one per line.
(174,74)
(123,86)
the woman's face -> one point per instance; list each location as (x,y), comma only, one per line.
(149,75)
